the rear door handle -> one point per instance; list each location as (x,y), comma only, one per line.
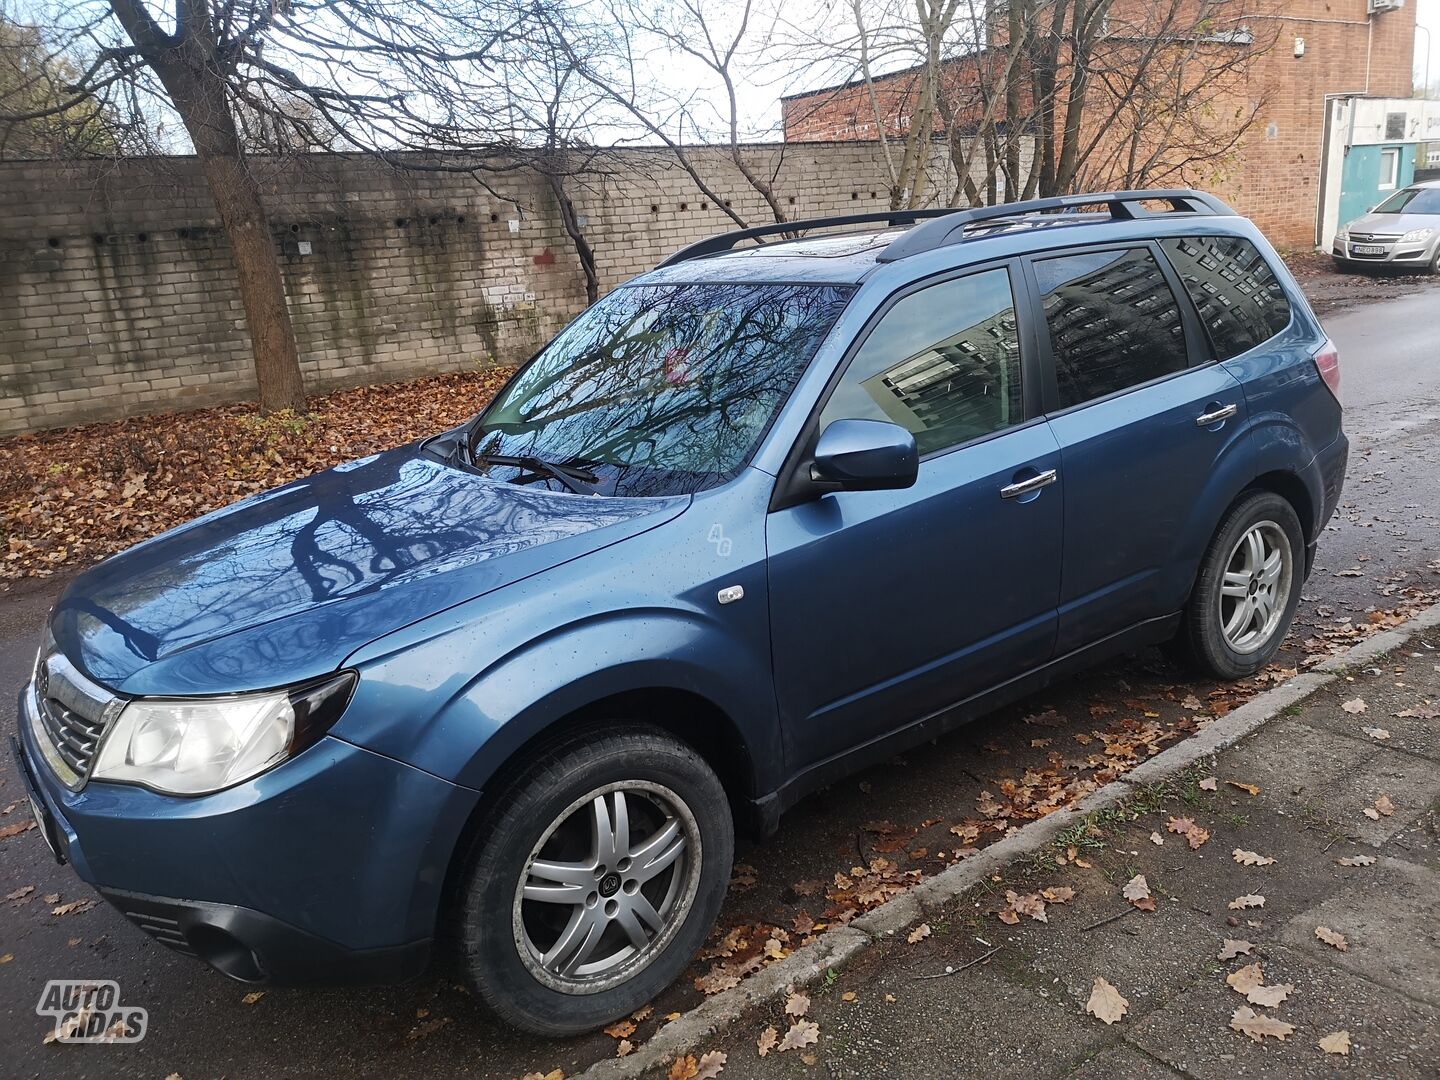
(1223,413)
(1035,483)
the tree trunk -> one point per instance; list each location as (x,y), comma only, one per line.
(193,74)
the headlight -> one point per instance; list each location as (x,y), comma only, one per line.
(1342,233)
(1416,235)
(193,746)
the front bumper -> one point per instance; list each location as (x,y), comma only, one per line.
(328,868)
(1392,252)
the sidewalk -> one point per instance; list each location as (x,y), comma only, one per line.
(1021,1010)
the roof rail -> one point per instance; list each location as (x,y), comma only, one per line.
(1123,206)
(725,241)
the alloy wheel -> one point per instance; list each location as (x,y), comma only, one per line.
(607,886)
(1255,587)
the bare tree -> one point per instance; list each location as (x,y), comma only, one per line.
(373,75)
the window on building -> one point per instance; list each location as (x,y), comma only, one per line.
(1113,322)
(1389,169)
(943,362)
(1236,293)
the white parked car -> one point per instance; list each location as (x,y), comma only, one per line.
(1404,230)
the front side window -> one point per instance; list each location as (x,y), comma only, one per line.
(1240,301)
(1113,322)
(661,389)
(943,362)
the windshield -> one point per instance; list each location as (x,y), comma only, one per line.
(1411,201)
(659,389)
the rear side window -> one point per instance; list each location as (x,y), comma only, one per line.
(1239,299)
(1113,321)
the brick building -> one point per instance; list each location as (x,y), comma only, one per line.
(1295,59)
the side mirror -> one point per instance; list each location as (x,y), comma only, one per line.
(865,455)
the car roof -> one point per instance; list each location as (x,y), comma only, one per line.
(849,257)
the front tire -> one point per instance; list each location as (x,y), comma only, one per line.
(593,879)
(1247,590)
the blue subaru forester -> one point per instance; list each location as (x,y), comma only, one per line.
(764,515)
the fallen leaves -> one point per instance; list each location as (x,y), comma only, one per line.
(1194,834)
(1332,937)
(768,1040)
(1383,808)
(252,998)
(1247,1021)
(621,1029)
(797,1004)
(802,1033)
(1245,979)
(1377,733)
(1356,860)
(1252,789)
(1248,901)
(919,934)
(1419,712)
(686,1067)
(1210,784)
(1137,891)
(1337,1042)
(1106,1003)
(72,496)
(1354,706)
(15,830)
(74,907)
(1233,948)
(20,893)
(1250,858)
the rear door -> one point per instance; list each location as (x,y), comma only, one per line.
(1142,415)
(889,605)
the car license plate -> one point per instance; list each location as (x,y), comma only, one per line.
(1367,249)
(42,821)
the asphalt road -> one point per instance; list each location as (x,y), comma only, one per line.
(1386,538)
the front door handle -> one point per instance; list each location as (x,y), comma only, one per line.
(1225,412)
(1024,487)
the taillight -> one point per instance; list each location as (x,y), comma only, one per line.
(1327,362)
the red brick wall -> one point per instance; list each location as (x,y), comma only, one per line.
(1273,175)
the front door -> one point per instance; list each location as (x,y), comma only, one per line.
(887,606)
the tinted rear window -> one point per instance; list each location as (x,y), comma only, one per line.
(1239,300)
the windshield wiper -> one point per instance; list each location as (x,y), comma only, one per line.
(580,481)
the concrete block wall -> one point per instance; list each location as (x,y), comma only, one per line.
(118,297)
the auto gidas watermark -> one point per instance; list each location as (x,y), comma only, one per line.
(89,1011)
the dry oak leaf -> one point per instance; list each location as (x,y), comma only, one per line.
(1356,860)
(1248,901)
(1058,894)
(1332,937)
(20,893)
(1383,808)
(553,1074)
(768,1038)
(711,1063)
(803,1033)
(1253,1024)
(1269,996)
(797,1004)
(1157,839)
(1186,827)
(1246,978)
(1250,858)
(1137,891)
(252,997)
(73,907)
(1378,733)
(623,1047)
(1337,1042)
(1106,1003)
(1210,784)
(684,1067)
(1418,712)
(849,995)
(988,807)
(7,958)
(621,1029)
(15,830)
(1253,789)
(1232,948)
(1354,706)
(920,933)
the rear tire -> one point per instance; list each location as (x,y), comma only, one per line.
(1247,590)
(593,879)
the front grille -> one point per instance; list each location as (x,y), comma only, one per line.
(72,714)
(75,736)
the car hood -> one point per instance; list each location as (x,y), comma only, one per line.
(285,585)
(1393,224)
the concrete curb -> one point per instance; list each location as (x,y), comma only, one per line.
(835,947)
